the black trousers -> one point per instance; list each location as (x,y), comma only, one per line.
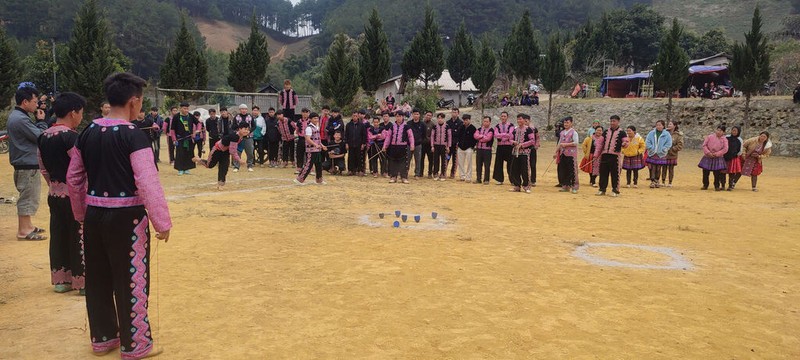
(261,150)
(398,167)
(184,153)
(427,152)
(635,173)
(609,166)
(533,158)
(171,149)
(503,157)
(440,160)
(354,159)
(156,144)
(211,143)
(118,279)
(272,151)
(454,160)
(566,171)
(377,163)
(330,164)
(66,245)
(719,178)
(222,159)
(300,152)
(199,144)
(483,162)
(313,159)
(520,168)
(287,149)
(288,114)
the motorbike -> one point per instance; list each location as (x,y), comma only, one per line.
(3,142)
(471,99)
(443,104)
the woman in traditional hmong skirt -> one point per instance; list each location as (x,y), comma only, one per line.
(633,161)
(588,163)
(755,150)
(672,155)
(658,144)
(714,148)
(733,161)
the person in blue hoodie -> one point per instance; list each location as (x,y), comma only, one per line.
(657,144)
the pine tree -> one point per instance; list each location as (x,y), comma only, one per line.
(484,71)
(750,65)
(185,66)
(375,63)
(9,69)
(461,58)
(554,71)
(521,51)
(340,75)
(248,63)
(672,68)
(91,56)
(424,59)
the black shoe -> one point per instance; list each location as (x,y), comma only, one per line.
(704,188)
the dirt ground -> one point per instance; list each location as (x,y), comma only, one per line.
(267,270)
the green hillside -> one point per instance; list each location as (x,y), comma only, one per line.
(733,16)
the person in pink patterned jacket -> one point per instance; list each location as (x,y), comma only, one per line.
(523,139)
(714,148)
(115,193)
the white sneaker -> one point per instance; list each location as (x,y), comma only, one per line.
(322,183)
(235,170)
(298,182)
(250,169)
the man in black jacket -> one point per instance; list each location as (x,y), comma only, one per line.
(466,144)
(214,128)
(272,137)
(355,136)
(418,129)
(456,124)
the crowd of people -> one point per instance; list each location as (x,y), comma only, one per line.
(399,145)
(104,188)
(103,193)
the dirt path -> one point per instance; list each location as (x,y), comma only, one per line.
(281,53)
(270,270)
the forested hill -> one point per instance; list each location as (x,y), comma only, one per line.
(145,29)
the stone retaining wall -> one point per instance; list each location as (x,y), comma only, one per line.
(697,118)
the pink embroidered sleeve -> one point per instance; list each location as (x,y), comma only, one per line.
(233,149)
(410,138)
(77,184)
(42,169)
(149,188)
(387,134)
(598,146)
(531,140)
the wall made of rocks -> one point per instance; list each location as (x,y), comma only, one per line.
(697,118)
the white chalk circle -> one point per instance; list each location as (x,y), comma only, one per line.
(677,262)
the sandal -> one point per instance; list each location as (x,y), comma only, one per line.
(38,230)
(6,201)
(33,236)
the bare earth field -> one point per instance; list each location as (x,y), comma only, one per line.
(267,270)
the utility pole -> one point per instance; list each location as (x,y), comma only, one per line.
(55,64)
